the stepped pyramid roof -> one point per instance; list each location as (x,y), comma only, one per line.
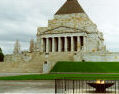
(70,6)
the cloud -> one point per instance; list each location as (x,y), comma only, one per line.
(19,19)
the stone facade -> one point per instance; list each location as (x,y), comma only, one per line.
(68,37)
(73,31)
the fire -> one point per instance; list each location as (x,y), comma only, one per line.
(100,82)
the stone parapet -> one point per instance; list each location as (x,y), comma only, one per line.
(98,57)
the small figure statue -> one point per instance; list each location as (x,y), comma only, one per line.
(17,49)
(32,45)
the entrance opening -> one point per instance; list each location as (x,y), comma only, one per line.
(82,41)
(62,44)
(83,60)
(75,43)
(45,62)
(50,44)
(69,43)
(56,44)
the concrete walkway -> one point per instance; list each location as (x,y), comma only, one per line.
(29,87)
(16,74)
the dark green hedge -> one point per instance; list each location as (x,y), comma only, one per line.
(1,55)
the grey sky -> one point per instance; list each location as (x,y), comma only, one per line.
(19,19)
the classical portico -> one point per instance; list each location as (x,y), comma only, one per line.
(63,44)
(71,30)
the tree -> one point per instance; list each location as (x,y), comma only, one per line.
(1,55)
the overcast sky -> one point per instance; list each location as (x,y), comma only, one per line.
(19,20)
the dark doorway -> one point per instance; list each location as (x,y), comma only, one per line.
(62,44)
(75,43)
(82,41)
(69,43)
(50,44)
(56,44)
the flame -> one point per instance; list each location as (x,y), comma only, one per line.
(100,82)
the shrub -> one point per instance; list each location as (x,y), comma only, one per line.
(1,55)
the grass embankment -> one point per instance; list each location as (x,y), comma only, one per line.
(87,67)
(64,76)
(80,67)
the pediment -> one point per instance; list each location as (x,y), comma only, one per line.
(62,29)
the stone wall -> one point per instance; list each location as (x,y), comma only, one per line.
(35,64)
(98,57)
(43,63)
(22,57)
(22,64)
(75,20)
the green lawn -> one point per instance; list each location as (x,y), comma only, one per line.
(64,76)
(84,68)
(87,67)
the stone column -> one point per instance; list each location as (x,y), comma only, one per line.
(41,45)
(59,44)
(72,44)
(53,44)
(47,45)
(65,44)
(85,44)
(78,43)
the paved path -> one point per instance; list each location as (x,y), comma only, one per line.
(29,87)
(16,74)
(34,87)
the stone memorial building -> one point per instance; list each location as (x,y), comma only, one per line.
(71,30)
(70,36)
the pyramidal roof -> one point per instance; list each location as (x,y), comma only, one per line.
(70,6)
